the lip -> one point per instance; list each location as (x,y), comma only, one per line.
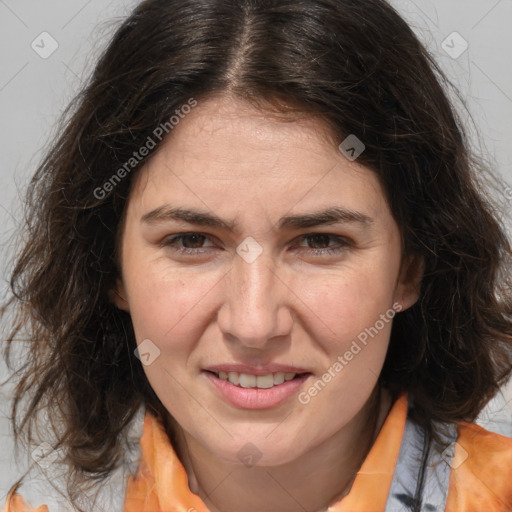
(256,370)
(255,398)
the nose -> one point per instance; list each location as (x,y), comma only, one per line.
(256,309)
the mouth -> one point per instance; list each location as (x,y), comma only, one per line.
(256,392)
(248,381)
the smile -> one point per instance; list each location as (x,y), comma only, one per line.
(246,391)
(247,380)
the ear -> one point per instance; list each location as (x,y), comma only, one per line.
(117,295)
(409,281)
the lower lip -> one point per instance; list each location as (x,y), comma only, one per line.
(256,398)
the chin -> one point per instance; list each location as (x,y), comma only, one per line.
(257,451)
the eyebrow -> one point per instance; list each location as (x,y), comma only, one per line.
(332,215)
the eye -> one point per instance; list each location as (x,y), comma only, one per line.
(193,243)
(323,239)
(186,243)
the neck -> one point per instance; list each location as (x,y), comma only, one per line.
(314,481)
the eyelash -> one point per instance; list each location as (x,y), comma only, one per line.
(170,242)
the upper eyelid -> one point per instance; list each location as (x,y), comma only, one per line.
(180,236)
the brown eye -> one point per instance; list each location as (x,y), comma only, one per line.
(319,243)
(193,240)
(187,243)
(318,240)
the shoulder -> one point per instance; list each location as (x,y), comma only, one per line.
(43,486)
(481,471)
(16,503)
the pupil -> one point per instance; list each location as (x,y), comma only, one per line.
(195,239)
(324,240)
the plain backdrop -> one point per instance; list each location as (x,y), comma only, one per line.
(35,87)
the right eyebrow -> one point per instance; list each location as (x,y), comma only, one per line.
(169,213)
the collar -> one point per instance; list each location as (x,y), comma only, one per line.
(161,482)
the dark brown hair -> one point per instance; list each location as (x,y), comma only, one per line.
(357,65)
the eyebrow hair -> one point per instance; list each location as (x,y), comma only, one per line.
(326,216)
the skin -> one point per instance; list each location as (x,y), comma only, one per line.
(288,306)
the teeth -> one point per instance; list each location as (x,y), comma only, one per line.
(278,378)
(233,377)
(265,381)
(246,380)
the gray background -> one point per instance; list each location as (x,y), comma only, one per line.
(33,92)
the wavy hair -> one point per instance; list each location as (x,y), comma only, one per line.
(358,66)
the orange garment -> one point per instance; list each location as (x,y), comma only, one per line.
(15,503)
(162,483)
(481,483)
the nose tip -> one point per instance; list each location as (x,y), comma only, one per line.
(254,308)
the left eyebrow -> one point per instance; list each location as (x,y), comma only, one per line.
(332,215)
(326,216)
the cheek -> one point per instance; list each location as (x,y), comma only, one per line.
(351,320)
(347,302)
(168,306)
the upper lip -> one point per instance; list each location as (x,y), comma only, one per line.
(255,370)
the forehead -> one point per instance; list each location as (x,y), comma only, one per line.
(225,151)
(227,130)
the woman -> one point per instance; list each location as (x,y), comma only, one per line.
(283,286)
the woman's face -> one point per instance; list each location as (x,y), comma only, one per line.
(227,259)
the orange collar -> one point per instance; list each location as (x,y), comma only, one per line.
(161,483)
